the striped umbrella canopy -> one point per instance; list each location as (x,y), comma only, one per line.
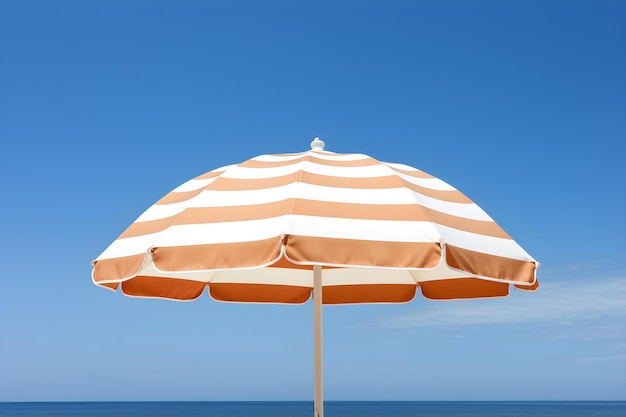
(345,228)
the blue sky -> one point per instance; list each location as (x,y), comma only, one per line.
(105,106)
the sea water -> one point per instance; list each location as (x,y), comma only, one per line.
(305,409)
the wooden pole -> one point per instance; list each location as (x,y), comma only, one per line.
(317,340)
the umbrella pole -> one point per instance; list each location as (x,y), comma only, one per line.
(317,340)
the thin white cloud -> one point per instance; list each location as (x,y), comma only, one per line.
(597,296)
(618,357)
(602,329)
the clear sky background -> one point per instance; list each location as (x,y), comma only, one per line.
(107,105)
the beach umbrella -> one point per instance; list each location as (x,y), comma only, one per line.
(340,228)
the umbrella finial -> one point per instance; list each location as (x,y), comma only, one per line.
(317,144)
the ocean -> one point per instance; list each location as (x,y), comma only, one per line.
(305,409)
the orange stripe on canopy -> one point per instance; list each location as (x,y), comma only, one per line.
(490,265)
(174,289)
(375,293)
(317,250)
(458,288)
(217,256)
(260,293)
(357,161)
(453,196)
(413,172)
(117,269)
(178,197)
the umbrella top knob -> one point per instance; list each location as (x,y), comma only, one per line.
(317,144)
